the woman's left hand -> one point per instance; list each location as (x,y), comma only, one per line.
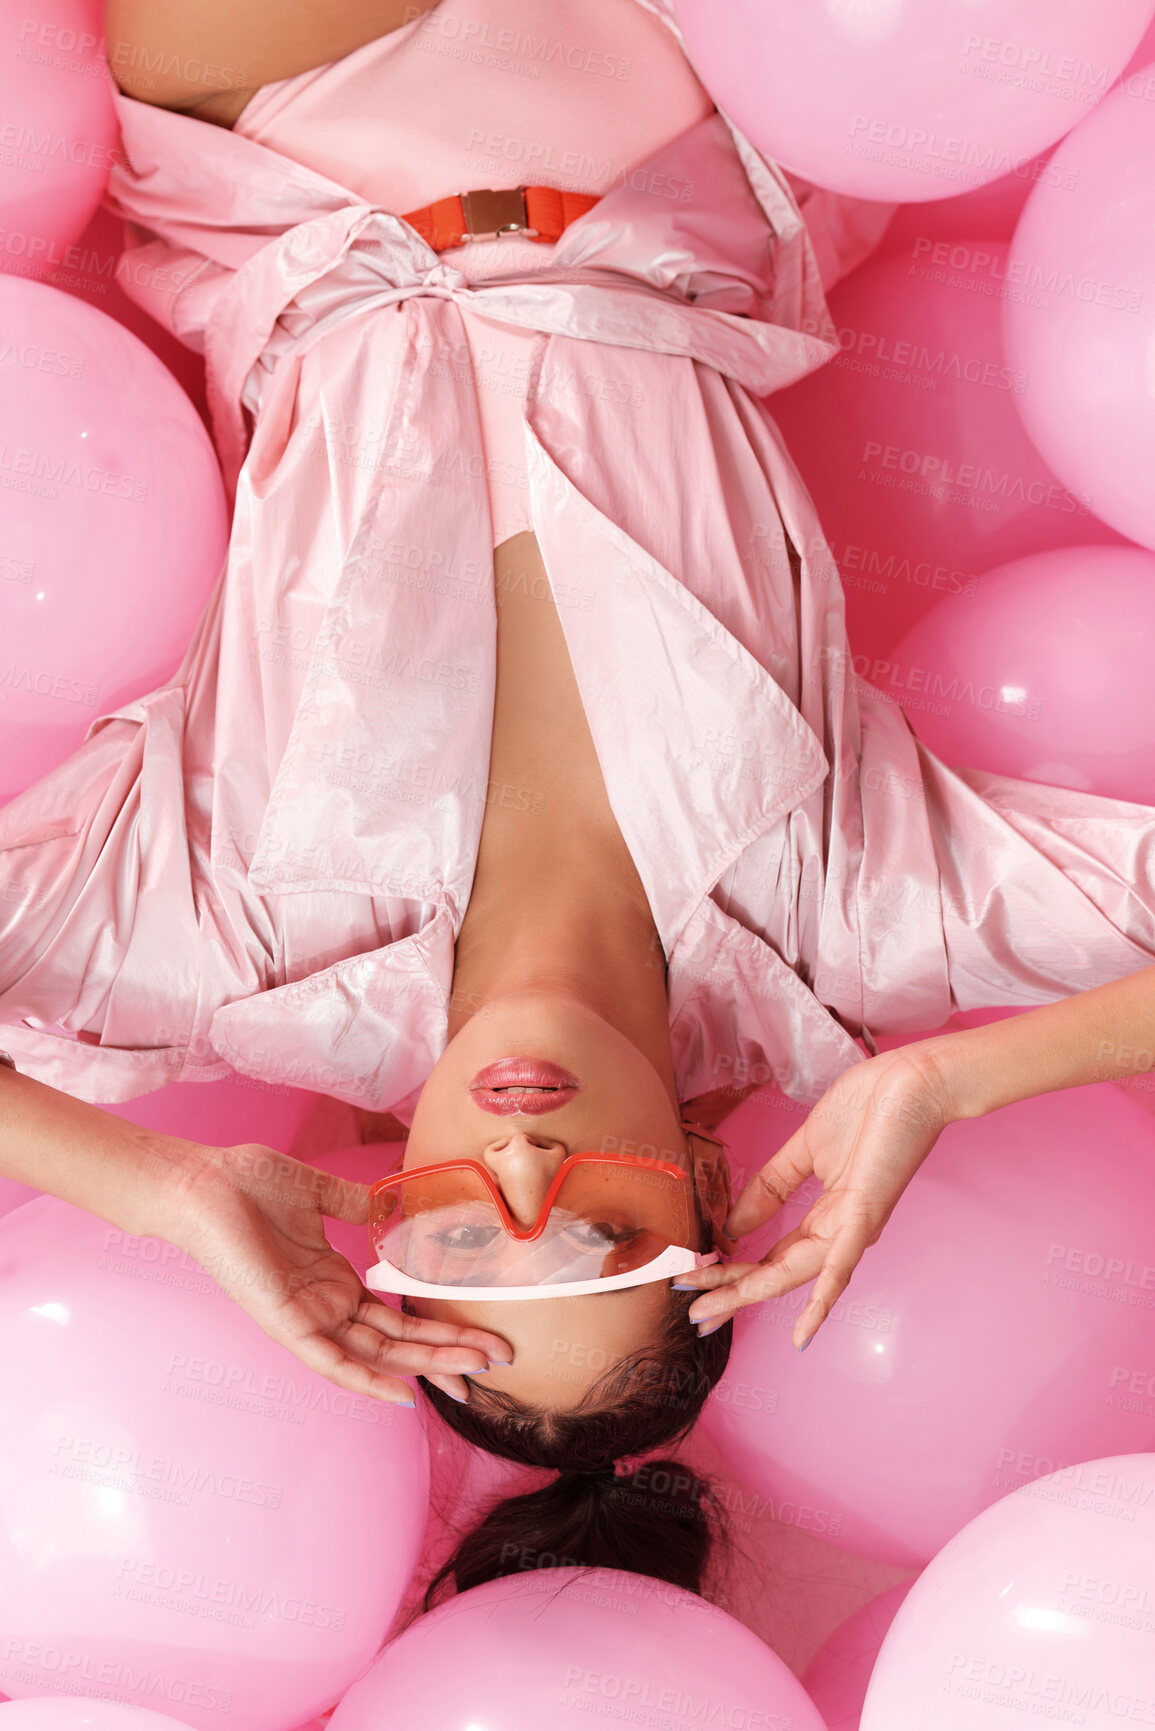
(865,1139)
(255,1221)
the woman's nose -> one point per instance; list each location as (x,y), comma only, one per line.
(524,1166)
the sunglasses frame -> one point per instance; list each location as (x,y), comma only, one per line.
(675,1260)
(568,1165)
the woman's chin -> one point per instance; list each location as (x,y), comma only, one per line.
(561,1346)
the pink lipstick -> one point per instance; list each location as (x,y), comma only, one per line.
(522,1087)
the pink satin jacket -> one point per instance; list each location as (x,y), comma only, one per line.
(264,864)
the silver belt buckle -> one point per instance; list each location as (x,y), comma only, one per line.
(490,211)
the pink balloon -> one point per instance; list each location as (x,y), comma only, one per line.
(13,1195)
(836,1678)
(189,1519)
(1081,324)
(1045,676)
(115,523)
(59,129)
(912,446)
(561,1648)
(463,1480)
(995,208)
(75,1713)
(905,100)
(89,269)
(1133,76)
(222,1114)
(1045,1602)
(992,210)
(975,1346)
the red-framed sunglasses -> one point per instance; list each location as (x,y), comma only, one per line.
(607,1221)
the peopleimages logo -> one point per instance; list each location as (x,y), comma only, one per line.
(1022,273)
(183,1588)
(995,487)
(33,471)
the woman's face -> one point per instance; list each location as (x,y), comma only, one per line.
(521,1136)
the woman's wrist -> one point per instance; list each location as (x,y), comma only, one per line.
(960,1071)
(1106,1034)
(132,1177)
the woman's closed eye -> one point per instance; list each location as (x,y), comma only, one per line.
(598,1235)
(467,1236)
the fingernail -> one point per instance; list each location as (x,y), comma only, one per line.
(805,1344)
(494,1361)
(683,1286)
(463,1398)
(409,1402)
(705,1328)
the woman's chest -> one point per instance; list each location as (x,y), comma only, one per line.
(477,93)
(546,791)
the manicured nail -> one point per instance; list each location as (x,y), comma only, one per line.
(683,1286)
(463,1398)
(805,1344)
(494,1361)
(409,1402)
(705,1328)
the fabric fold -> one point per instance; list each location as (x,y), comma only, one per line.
(264,864)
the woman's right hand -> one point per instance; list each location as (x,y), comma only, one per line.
(865,1139)
(254,1221)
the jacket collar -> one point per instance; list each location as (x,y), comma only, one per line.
(701,750)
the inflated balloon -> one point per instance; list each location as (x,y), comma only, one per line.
(1134,77)
(995,208)
(1081,324)
(76,1713)
(1043,1606)
(992,210)
(222,1114)
(60,128)
(464,1480)
(913,448)
(1045,676)
(986,1338)
(92,271)
(188,1516)
(13,1195)
(560,1648)
(904,100)
(115,523)
(836,1678)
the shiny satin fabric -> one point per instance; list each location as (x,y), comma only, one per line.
(263,865)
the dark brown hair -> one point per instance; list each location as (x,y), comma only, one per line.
(659,1520)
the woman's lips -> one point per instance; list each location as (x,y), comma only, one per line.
(522,1087)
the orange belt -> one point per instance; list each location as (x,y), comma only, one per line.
(539,212)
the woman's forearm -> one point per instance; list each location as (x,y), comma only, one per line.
(1105,1034)
(129,1176)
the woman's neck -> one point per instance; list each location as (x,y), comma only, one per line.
(556,903)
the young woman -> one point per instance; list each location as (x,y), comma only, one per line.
(517,779)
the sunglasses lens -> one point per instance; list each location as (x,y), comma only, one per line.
(444,1228)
